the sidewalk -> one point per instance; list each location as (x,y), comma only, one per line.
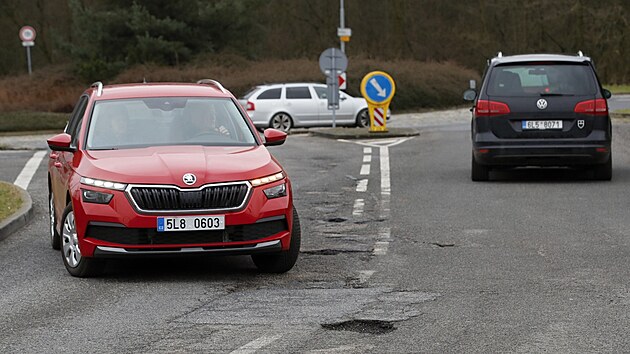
(25,142)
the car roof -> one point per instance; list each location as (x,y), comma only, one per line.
(289,84)
(158,90)
(539,57)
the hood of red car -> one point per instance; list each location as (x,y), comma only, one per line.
(168,164)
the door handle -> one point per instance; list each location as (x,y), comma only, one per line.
(57,164)
(54,155)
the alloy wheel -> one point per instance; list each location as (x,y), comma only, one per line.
(70,242)
(281,121)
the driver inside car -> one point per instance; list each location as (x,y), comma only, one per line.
(203,120)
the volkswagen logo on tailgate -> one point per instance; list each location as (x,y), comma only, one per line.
(541,103)
(189,179)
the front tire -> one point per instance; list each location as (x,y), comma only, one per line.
(76,264)
(282,122)
(479,172)
(363,118)
(55,239)
(282,262)
(604,172)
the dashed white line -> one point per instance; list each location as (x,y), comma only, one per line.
(380,248)
(367,158)
(367,150)
(365,275)
(365,170)
(24,178)
(385,234)
(357,210)
(362,185)
(256,344)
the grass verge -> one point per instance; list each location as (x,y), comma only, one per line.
(32,121)
(10,200)
(618,89)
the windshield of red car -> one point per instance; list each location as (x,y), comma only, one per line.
(135,123)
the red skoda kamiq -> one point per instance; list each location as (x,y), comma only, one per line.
(167,169)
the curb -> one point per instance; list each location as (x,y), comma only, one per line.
(363,133)
(19,218)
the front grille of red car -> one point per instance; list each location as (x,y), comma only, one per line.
(211,197)
(136,236)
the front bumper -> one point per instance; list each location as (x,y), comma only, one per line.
(118,229)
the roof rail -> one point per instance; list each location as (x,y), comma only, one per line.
(212,83)
(580,54)
(500,55)
(99,88)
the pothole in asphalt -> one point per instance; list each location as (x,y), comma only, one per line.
(336,219)
(362,326)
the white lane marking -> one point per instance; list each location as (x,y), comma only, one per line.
(384,234)
(24,178)
(367,150)
(357,210)
(365,275)
(380,248)
(385,182)
(367,158)
(365,170)
(256,344)
(362,185)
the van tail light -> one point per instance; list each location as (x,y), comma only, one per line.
(251,106)
(597,107)
(486,108)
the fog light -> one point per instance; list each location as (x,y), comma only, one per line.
(276,192)
(96,197)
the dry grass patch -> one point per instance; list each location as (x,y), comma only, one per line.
(10,200)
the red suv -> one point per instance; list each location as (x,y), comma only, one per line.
(167,169)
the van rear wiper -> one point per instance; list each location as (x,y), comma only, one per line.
(547,94)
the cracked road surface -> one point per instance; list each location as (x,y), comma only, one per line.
(533,261)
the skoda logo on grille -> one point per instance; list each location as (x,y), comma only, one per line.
(189,179)
(541,103)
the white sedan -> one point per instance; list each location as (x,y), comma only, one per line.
(285,106)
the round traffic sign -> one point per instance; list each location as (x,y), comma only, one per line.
(332,59)
(27,34)
(378,87)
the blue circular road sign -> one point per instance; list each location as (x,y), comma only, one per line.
(378,87)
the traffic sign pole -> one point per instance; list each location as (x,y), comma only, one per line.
(28,60)
(27,35)
(333,62)
(378,89)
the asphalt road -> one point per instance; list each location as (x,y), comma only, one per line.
(422,261)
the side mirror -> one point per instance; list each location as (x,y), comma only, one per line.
(470,95)
(274,137)
(60,142)
(606,93)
